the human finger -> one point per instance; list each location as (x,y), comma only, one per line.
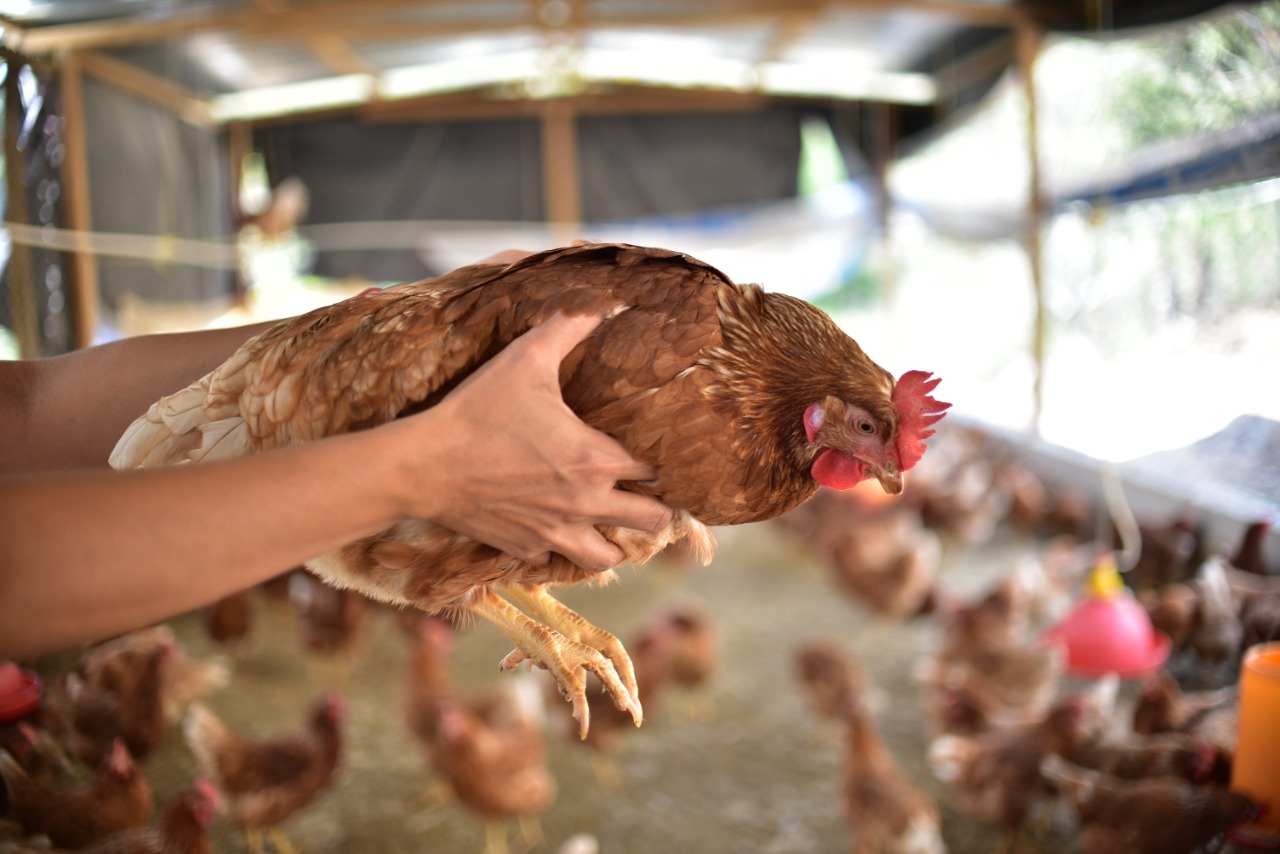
(587,547)
(637,512)
(560,333)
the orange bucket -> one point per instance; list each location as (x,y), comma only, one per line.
(1256,769)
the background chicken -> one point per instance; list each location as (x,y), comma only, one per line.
(494,759)
(651,651)
(1212,716)
(118,796)
(738,427)
(995,778)
(835,679)
(183,827)
(133,688)
(1153,816)
(887,812)
(332,624)
(1251,553)
(427,681)
(693,654)
(886,561)
(1131,756)
(1170,551)
(263,781)
(488,747)
(229,619)
(36,744)
(989,671)
(1172,609)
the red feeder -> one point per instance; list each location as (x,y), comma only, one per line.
(19,691)
(1109,632)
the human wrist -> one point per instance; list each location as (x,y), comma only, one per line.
(413,466)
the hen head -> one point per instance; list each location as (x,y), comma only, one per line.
(119,762)
(330,710)
(204,800)
(855,443)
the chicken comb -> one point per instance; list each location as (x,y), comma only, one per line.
(917,412)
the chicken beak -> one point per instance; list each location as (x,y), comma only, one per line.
(891,480)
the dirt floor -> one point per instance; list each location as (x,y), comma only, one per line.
(740,766)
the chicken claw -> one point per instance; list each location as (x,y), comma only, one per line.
(566,658)
(541,604)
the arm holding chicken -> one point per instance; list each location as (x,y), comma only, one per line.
(68,411)
(94,553)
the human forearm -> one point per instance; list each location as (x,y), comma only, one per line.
(86,555)
(501,459)
(68,411)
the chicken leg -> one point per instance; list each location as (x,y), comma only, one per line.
(567,648)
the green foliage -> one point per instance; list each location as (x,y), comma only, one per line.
(859,289)
(1205,77)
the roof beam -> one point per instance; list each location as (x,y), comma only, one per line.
(327,46)
(134,31)
(369,19)
(628,100)
(791,28)
(338,54)
(177,99)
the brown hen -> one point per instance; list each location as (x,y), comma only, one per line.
(1160,815)
(994,777)
(133,688)
(430,696)
(493,755)
(886,561)
(835,679)
(264,781)
(118,796)
(744,401)
(1212,716)
(183,828)
(887,812)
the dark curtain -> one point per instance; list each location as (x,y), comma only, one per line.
(354,172)
(151,173)
(490,171)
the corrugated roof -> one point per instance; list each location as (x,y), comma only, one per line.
(859,50)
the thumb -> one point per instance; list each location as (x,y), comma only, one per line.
(556,337)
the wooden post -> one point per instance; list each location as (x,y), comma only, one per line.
(239,144)
(22,290)
(75,180)
(1028,37)
(560,180)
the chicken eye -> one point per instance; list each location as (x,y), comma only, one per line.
(865,427)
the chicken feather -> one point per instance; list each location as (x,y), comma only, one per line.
(704,379)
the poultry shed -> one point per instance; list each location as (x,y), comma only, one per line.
(908,627)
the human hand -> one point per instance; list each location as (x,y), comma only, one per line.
(521,472)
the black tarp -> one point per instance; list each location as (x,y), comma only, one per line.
(491,171)
(151,173)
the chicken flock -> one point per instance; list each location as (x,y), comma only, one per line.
(1011,742)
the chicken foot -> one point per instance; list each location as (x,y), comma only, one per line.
(542,605)
(567,657)
(253,838)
